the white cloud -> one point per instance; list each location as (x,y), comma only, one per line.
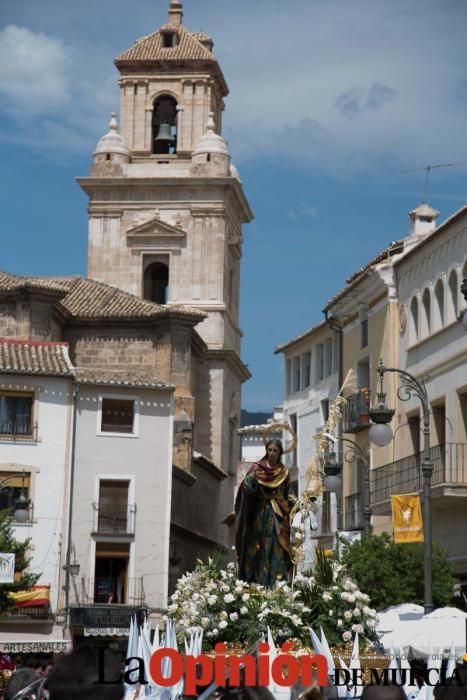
(58,96)
(33,70)
(337,86)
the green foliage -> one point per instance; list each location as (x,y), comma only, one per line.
(9,544)
(393,573)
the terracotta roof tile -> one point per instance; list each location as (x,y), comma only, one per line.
(393,249)
(34,357)
(87,299)
(150,48)
(121,378)
(283,346)
(11,282)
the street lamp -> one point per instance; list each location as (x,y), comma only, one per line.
(464,292)
(22,503)
(381,416)
(332,469)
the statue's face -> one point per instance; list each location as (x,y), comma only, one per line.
(273,453)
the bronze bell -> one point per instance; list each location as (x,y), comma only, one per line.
(165,134)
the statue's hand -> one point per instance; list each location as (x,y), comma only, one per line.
(229,519)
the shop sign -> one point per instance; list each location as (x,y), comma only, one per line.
(34,647)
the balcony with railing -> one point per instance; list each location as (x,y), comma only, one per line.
(405,475)
(356,416)
(18,431)
(114,519)
(110,590)
(354,512)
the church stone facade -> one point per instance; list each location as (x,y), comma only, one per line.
(166,209)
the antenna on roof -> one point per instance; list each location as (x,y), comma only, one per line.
(428,169)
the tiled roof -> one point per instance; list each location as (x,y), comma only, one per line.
(87,299)
(284,346)
(121,378)
(256,429)
(35,357)
(190,46)
(13,283)
(394,248)
(150,48)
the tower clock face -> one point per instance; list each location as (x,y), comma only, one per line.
(402,318)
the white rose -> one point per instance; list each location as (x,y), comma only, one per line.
(347,636)
(215,632)
(223,615)
(204,621)
(223,624)
(229,598)
(351,598)
(356,612)
(225,588)
(245,597)
(339,623)
(238,589)
(233,616)
(243,610)
(348,615)
(212,600)
(327,596)
(172,608)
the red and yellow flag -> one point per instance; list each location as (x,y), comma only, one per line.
(36,595)
(407,522)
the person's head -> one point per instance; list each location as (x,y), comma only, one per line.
(383,692)
(76,677)
(455,688)
(274,451)
(24,683)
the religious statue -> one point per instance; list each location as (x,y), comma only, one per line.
(262,510)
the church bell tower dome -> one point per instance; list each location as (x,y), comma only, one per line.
(211,156)
(111,154)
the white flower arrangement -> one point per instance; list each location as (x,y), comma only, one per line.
(242,612)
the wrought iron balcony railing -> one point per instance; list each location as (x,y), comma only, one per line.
(114,520)
(405,476)
(34,612)
(111,590)
(13,431)
(356,416)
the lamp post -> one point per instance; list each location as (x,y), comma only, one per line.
(381,415)
(332,469)
(22,503)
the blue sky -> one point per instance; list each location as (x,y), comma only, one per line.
(330,101)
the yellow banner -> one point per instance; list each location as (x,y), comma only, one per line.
(407,523)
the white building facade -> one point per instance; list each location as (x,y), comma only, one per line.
(35,419)
(433,344)
(311,363)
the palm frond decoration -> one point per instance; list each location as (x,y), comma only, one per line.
(314,472)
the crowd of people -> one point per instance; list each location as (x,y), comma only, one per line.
(77,676)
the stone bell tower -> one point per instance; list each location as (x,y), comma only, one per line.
(166,209)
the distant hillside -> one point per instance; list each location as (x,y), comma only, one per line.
(254,417)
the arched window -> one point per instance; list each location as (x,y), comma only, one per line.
(414,320)
(453,309)
(438,311)
(426,325)
(156,282)
(164,125)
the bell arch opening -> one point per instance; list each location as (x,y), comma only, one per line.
(164,125)
(156,282)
